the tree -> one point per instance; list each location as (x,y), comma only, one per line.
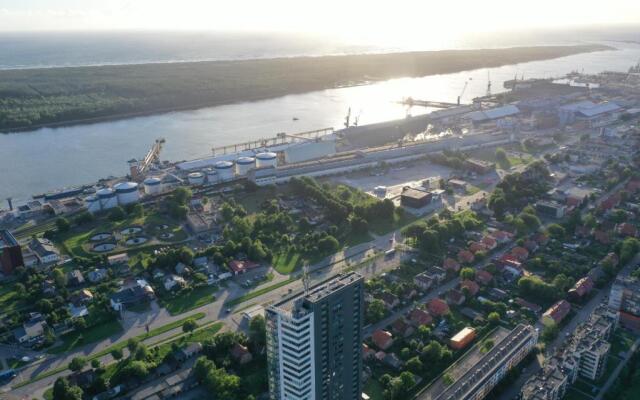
(63,391)
(117,214)
(63,224)
(556,231)
(136,368)
(328,244)
(414,365)
(493,318)
(189,325)
(432,352)
(550,332)
(502,159)
(202,367)
(95,363)
(424,332)
(186,255)
(132,344)
(116,354)
(258,331)
(79,324)
(467,273)
(376,310)
(77,363)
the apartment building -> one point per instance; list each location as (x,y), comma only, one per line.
(314,341)
(625,298)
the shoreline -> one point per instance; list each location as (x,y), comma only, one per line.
(130,91)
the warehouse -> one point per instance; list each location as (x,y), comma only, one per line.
(415,198)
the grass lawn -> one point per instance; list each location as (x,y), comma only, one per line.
(197,297)
(286,263)
(400,220)
(622,341)
(9,299)
(259,292)
(74,340)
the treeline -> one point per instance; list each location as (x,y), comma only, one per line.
(32,97)
(519,189)
(432,236)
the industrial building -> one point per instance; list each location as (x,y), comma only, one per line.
(314,341)
(121,194)
(10,253)
(415,198)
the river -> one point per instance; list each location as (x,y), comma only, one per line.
(51,158)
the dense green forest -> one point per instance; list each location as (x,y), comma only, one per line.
(44,97)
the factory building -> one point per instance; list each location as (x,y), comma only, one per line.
(314,341)
(306,151)
(10,253)
(244,165)
(152,185)
(127,193)
(225,170)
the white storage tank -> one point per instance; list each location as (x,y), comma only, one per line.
(266,159)
(152,185)
(244,165)
(212,175)
(196,178)
(107,198)
(225,170)
(93,204)
(127,193)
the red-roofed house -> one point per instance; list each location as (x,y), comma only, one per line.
(602,236)
(610,202)
(530,245)
(420,317)
(465,256)
(489,242)
(626,229)
(240,267)
(633,185)
(438,307)
(390,300)
(382,339)
(241,354)
(502,236)
(450,264)
(455,297)
(611,258)
(367,352)
(582,288)
(483,277)
(472,287)
(529,306)
(573,201)
(556,313)
(476,247)
(520,253)
(541,238)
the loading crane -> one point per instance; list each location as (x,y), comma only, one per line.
(137,168)
(466,83)
(488,83)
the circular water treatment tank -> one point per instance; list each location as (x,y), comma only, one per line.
(266,159)
(127,192)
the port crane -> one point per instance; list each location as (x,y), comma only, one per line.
(466,83)
(488,83)
(139,168)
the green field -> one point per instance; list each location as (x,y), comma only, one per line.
(73,340)
(195,298)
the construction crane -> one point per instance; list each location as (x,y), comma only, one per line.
(137,168)
(466,83)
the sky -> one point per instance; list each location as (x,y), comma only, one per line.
(358,19)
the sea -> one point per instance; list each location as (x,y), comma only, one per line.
(51,158)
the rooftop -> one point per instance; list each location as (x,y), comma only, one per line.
(7,239)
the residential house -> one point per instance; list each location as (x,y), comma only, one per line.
(401,328)
(556,313)
(529,306)
(83,296)
(419,317)
(44,250)
(390,300)
(520,253)
(530,245)
(97,275)
(626,229)
(238,267)
(483,277)
(174,281)
(189,351)
(424,281)
(32,330)
(452,265)
(367,352)
(581,289)
(465,256)
(382,339)
(489,242)
(241,354)
(392,360)
(118,259)
(48,287)
(140,292)
(502,236)
(75,278)
(471,287)
(455,297)
(437,307)
(181,269)
(475,247)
